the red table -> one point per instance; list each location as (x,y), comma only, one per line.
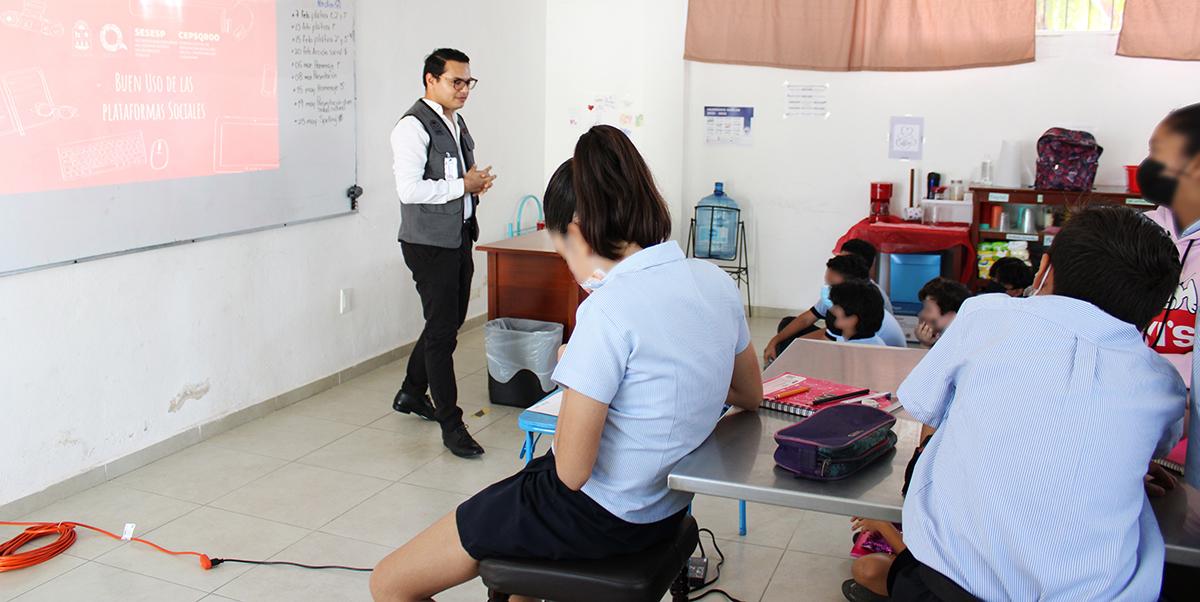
(892,235)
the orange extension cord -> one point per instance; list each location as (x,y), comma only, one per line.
(11,559)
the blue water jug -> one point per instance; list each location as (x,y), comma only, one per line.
(716,226)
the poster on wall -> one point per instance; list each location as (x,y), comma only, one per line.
(806,100)
(728,125)
(101,93)
(906,138)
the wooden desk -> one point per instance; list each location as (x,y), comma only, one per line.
(527,279)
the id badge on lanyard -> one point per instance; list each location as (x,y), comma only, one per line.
(450,167)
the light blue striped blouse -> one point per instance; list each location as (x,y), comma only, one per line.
(1032,487)
(656,343)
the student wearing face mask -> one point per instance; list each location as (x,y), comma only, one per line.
(1087,417)
(840,268)
(1170,178)
(659,348)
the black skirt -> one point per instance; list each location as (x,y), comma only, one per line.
(532,514)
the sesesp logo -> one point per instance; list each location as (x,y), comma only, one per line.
(1179,331)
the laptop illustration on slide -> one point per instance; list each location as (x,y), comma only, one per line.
(245,144)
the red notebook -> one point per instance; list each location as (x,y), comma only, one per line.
(824,393)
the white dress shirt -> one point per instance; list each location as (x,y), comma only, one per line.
(410,151)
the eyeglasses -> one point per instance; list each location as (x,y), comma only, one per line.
(459,84)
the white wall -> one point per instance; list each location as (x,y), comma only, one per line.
(633,51)
(91,356)
(804,182)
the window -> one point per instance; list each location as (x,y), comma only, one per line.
(1079,15)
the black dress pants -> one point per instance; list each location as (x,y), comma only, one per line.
(443,278)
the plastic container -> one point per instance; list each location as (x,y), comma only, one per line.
(910,272)
(521,355)
(957,190)
(946,212)
(716,226)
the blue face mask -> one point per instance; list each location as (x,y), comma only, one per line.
(825,295)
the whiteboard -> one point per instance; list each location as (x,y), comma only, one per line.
(201,118)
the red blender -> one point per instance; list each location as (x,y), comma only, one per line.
(881,200)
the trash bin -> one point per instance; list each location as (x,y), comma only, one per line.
(521,358)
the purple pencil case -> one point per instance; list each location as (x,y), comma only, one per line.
(835,442)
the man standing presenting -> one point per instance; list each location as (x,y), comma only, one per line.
(439,188)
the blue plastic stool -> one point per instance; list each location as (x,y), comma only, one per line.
(536,424)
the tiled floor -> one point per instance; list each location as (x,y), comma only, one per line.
(342,479)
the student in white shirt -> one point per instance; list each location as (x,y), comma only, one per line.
(841,267)
(838,269)
(941,299)
(1033,488)
(660,347)
(857,312)
(439,187)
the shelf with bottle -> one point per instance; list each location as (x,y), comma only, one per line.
(1032,217)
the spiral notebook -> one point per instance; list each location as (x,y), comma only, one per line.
(807,395)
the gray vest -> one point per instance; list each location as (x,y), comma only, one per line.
(439,225)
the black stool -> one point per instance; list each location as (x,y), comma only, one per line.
(641,577)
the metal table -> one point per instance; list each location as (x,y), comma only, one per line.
(737,461)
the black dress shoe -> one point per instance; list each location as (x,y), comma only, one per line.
(460,442)
(406,403)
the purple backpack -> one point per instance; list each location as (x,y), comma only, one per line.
(835,442)
(1067,160)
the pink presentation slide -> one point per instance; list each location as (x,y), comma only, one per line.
(101,92)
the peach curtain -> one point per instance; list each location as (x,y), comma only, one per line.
(861,35)
(1161,29)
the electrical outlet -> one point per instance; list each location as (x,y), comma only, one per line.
(344,301)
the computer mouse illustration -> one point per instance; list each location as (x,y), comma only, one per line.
(160,154)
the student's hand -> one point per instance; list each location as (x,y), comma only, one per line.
(769,352)
(477,181)
(867,524)
(1159,481)
(926,334)
(561,350)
